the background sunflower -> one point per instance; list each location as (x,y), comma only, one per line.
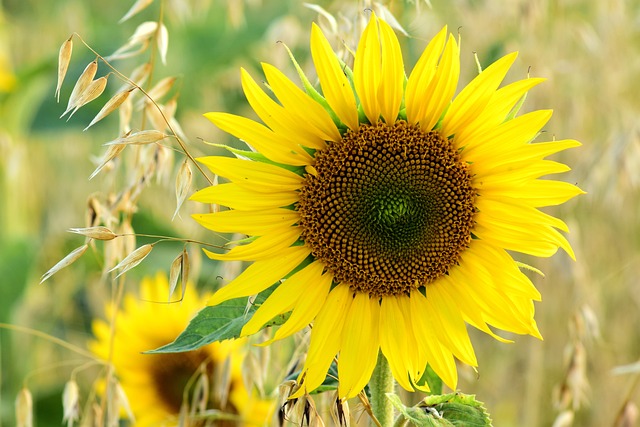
(206,385)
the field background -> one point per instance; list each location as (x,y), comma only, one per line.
(589,51)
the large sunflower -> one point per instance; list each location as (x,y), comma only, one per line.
(157,384)
(386,210)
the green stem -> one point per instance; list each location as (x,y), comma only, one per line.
(381,383)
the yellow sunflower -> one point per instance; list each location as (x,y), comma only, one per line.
(157,384)
(386,209)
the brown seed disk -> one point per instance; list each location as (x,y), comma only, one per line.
(391,208)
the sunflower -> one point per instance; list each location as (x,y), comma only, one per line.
(387,209)
(157,384)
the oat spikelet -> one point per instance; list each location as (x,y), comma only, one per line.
(92,91)
(138,6)
(139,138)
(183,184)
(24,408)
(185,267)
(70,403)
(161,88)
(133,259)
(111,153)
(628,415)
(163,43)
(110,106)
(66,261)
(174,273)
(98,233)
(564,419)
(83,82)
(63,63)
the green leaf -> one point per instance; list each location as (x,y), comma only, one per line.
(221,322)
(454,409)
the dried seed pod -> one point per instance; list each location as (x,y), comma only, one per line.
(92,91)
(133,259)
(83,82)
(63,63)
(138,6)
(24,408)
(64,262)
(185,267)
(70,403)
(111,153)
(110,106)
(139,138)
(163,43)
(183,184)
(161,88)
(174,273)
(98,233)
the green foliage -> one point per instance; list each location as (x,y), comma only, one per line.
(218,323)
(447,410)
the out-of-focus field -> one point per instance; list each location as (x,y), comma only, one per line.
(589,51)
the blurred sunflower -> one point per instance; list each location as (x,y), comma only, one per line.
(387,209)
(158,384)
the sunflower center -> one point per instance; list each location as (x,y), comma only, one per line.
(173,376)
(389,209)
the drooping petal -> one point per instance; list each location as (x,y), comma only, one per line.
(261,274)
(335,85)
(265,246)
(360,344)
(395,339)
(326,338)
(241,198)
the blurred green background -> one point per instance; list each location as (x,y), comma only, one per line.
(589,51)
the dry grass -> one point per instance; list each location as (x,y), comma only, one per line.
(589,51)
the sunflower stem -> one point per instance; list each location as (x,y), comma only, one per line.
(381,383)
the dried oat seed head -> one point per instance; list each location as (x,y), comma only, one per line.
(83,82)
(110,154)
(133,259)
(24,408)
(110,106)
(138,6)
(174,273)
(70,403)
(66,261)
(63,63)
(183,184)
(98,233)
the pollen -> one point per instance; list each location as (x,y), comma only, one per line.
(389,208)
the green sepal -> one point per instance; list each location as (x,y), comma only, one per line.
(453,409)
(258,157)
(514,111)
(218,323)
(432,380)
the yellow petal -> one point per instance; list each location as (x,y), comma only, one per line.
(536,193)
(260,137)
(238,197)
(391,87)
(367,70)
(317,288)
(255,223)
(301,105)
(261,177)
(326,338)
(284,297)
(335,85)
(277,117)
(421,76)
(261,274)
(266,246)
(473,99)
(441,88)
(360,345)
(394,340)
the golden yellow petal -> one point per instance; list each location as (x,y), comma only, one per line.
(261,177)
(360,345)
(449,324)
(325,339)
(367,70)
(442,87)
(420,78)
(239,197)
(298,104)
(254,223)
(317,288)
(266,246)
(517,172)
(391,87)
(261,274)
(285,297)
(277,117)
(263,139)
(335,85)
(473,99)
(510,210)
(499,106)
(537,193)
(395,336)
